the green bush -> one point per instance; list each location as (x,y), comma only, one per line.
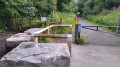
(2,27)
(47,40)
(83,40)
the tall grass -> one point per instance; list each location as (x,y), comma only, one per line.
(108,18)
(67,19)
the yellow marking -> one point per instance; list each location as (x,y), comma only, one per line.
(76,22)
(58,18)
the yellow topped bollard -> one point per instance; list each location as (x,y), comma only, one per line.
(76,28)
(76,22)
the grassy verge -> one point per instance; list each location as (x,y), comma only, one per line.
(106,18)
(97,24)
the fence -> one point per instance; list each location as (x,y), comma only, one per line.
(36,35)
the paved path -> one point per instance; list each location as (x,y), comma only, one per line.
(101,52)
(98,38)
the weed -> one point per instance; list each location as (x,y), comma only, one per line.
(83,40)
(46,40)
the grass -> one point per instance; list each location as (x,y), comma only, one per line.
(67,19)
(106,18)
(47,40)
(82,41)
(106,29)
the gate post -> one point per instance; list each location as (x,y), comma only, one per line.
(76,29)
(117,30)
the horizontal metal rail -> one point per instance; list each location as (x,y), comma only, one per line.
(63,25)
(100,31)
(47,30)
(97,29)
(51,18)
(38,32)
(53,35)
(100,26)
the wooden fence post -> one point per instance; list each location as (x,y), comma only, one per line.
(61,20)
(30,21)
(53,30)
(35,39)
(117,32)
(76,29)
(71,29)
(69,42)
(47,31)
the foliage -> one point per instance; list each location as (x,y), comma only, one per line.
(60,2)
(66,5)
(10,9)
(16,9)
(67,18)
(94,7)
(100,11)
(46,40)
(109,18)
(44,7)
(70,7)
(83,40)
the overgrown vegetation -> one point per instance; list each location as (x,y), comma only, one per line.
(108,18)
(102,12)
(94,7)
(12,11)
(68,18)
(82,41)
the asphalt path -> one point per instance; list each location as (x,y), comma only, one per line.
(103,50)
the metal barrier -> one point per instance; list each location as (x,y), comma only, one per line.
(36,35)
(97,28)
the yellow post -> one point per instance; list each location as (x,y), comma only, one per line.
(76,28)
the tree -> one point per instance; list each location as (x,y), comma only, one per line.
(60,4)
(93,7)
(80,5)
(14,9)
(44,7)
(70,7)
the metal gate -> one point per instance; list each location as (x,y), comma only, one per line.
(78,28)
(97,29)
